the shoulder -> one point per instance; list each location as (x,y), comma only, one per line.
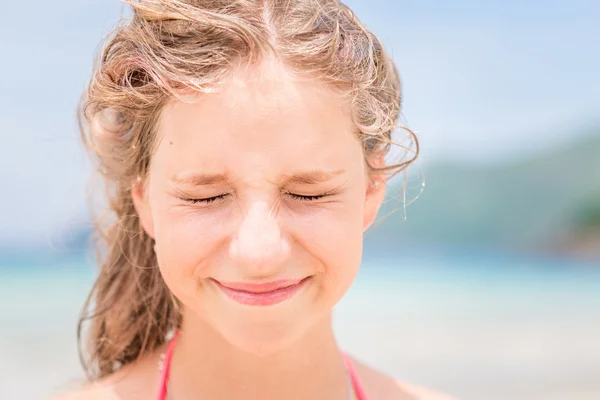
(135,381)
(92,391)
(381,386)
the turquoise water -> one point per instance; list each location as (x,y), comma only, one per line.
(479,327)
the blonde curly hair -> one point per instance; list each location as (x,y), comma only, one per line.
(165,50)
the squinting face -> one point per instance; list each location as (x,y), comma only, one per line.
(257,198)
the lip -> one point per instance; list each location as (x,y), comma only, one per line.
(261,294)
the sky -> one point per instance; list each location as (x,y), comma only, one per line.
(483,82)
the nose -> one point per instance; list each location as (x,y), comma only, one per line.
(258,245)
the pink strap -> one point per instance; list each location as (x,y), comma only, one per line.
(166,367)
(358,388)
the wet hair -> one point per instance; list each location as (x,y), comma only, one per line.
(168,48)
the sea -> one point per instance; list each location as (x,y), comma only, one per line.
(476,326)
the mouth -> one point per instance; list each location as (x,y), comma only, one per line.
(261,294)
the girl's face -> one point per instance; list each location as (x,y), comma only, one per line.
(257,198)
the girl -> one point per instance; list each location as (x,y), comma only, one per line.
(243,146)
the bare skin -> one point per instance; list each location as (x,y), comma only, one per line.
(139,381)
(289,198)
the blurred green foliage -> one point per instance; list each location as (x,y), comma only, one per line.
(531,202)
(589,217)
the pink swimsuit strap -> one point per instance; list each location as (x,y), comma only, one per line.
(166,366)
(359,391)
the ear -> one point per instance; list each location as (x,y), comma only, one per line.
(142,206)
(375,193)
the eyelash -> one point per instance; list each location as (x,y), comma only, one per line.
(306,198)
(208,200)
(211,200)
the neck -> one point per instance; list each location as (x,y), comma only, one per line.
(205,365)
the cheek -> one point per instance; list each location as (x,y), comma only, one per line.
(184,240)
(334,238)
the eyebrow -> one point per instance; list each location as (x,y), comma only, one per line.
(300,178)
(196,179)
(311,177)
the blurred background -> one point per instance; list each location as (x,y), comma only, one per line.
(488,289)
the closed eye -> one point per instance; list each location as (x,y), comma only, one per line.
(207,200)
(306,198)
(295,196)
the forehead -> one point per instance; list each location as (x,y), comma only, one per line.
(261,113)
